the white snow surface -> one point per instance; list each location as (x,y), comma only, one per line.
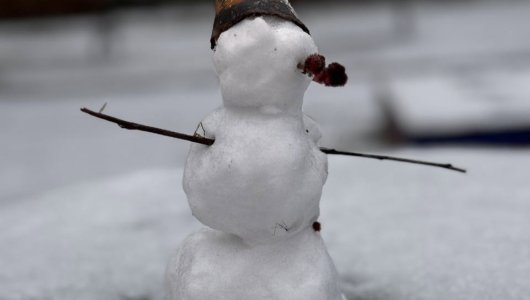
(214,265)
(262,178)
(94,240)
(394,231)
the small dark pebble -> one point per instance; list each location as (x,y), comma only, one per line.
(317,226)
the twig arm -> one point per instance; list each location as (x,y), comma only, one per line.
(135,126)
(384,157)
(207,141)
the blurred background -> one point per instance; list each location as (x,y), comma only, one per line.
(91,211)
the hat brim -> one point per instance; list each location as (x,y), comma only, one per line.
(229,17)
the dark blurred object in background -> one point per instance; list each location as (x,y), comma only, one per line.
(36,8)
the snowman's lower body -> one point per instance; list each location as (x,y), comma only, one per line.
(211,264)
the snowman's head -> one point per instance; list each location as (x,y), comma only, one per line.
(256,61)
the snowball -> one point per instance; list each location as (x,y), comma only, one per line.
(263,178)
(215,265)
(256,61)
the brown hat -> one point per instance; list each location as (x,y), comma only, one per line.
(230,12)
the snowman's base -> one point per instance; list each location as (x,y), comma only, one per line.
(214,265)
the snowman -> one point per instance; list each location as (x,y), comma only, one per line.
(258,187)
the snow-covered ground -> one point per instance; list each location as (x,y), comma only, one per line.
(90,211)
(394,231)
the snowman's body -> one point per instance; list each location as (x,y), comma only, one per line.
(215,265)
(259,185)
(251,185)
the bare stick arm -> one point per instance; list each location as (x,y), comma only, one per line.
(399,159)
(135,126)
(209,142)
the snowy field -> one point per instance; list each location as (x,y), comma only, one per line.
(394,232)
(90,211)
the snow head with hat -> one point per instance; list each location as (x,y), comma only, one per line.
(262,47)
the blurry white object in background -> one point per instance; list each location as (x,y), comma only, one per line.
(489,108)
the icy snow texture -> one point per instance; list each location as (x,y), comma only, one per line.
(262,179)
(256,62)
(395,232)
(216,265)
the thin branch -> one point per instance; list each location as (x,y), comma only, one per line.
(207,141)
(399,159)
(135,126)
(103,108)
